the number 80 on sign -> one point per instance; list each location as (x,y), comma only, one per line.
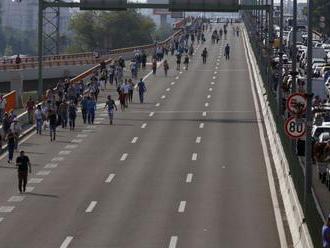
(295,128)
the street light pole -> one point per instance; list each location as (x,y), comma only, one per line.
(40,48)
(308,143)
(294,46)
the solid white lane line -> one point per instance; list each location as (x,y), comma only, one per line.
(43,173)
(57,159)
(182,206)
(194,156)
(76,140)
(168,89)
(204,113)
(82,135)
(6,209)
(163,97)
(66,242)
(172,83)
(210,89)
(157,104)
(201,125)
(110,178)
(124,157)
(16,198)
(189,178)
(50,166)
(198,139)
(91,207)
(151,114)
(66,152)
(206,104)
(134,140)
(208,96)
(144,125)
(35,180)
(173,242)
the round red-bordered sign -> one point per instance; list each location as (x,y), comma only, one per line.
(295,128)
(297,103)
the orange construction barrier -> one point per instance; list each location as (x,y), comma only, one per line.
(11,101)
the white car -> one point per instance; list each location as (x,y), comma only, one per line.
(318,130)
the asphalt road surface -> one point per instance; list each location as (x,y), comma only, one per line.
(185,169)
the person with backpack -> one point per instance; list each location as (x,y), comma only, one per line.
(72,115)
(142,89)
(111,105)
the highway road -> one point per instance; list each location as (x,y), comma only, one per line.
(185,169)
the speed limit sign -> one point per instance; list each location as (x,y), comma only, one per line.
(295,128)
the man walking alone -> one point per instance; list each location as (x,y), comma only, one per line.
(24,166)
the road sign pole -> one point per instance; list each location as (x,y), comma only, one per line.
(294,47)
(280,84)
(308,143)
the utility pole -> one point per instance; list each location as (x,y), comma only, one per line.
(40,48)
(294,47)
(308,143)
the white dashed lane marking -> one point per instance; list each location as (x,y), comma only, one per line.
(87,130)
(194,156)
(210,89)
(76,140)
(212,83)
(182,206)
(215,72)
(56,159)
(50,166)
(110,178)
(134,140)
(43,173)
(198,139)
(172,83)
(16,198)
(177,78)
(82,135)
(70,146)
(91,207)
(151,114)
(144,125)
(168,89)
(29,188)
(66,242)
(6,209)
(35,180)
(173,242)
(123,157)
(163,97)
(64,152)
(208,96)
(189,178)
(204,113)
(157,104)
(206,104)
(1,219)
(201,125)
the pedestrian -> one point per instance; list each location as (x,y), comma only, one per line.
(326,234)
(30,109)
(204,55)
(16,130)
(72,115)
(131,90)
(178,61)
(143,60)
(10,145)
(39,117)
(227,51)
(142,89)
(63,112)
(91,108)
(3,103)
(51,117)
(23,167)
(6,124)
(154,66)
(166,67)
(111,105)
(125,90)
(83,106)
(186,61)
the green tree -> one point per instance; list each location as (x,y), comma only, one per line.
(95,30)
(163,32)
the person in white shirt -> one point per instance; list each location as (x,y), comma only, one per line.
(38,115)
(3,103)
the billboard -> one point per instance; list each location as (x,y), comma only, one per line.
(177,14)
(204,5)
(161,12)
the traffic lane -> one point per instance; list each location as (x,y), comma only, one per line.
(60,199)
